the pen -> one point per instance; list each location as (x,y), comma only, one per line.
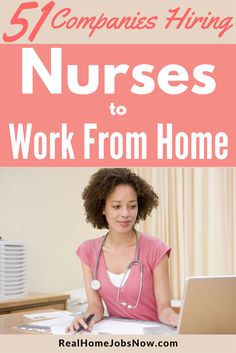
(87,321)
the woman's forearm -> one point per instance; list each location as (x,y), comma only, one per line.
(97,310)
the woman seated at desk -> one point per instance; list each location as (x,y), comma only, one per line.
(126,269)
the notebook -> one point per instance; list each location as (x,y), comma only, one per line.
(208,306)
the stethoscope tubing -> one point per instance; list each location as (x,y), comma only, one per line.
(96,284)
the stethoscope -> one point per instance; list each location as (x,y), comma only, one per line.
(96,284)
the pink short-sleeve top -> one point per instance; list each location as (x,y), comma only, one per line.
(151,251)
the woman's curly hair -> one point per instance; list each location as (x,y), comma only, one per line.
(103,182)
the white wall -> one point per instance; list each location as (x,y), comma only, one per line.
(43,206)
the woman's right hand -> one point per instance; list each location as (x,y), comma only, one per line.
(78,322)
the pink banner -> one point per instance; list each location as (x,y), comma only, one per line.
(129,105)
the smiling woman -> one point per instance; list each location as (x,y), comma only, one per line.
(104,182)
(121,208)
(125,269)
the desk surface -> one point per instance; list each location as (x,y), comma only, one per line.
(8,323)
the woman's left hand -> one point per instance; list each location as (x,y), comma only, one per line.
(174,319)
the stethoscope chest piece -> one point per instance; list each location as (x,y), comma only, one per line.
(95,284)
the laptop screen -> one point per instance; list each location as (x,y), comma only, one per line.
(209,306)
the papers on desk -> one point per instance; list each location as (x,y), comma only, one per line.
(122,327)
(48,325)
(111,326)
(117,326)
(60,319)
(60,330)
(58,323)
(49,315)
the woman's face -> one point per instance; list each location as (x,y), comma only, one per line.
(121,209)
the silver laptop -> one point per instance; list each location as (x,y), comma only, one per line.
(208,306)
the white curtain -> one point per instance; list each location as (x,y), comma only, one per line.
(197,217)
